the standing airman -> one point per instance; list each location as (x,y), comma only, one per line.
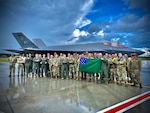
(121,69)
(12,61)
(20,65)
(56,66)
(28,63)
(71,66)
(50,62)
(135,68)
(112,68)
(64,67)
(104,68)
(44,62)
(36,65)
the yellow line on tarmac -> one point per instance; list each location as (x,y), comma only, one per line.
(138,85)
(146,87)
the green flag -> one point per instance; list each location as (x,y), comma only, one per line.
(90,65)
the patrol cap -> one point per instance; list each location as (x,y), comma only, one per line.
(133,54)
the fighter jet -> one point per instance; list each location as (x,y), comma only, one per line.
(39,46)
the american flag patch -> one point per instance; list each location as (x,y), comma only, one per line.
(83,61)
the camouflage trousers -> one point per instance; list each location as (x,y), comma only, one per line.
(20,68)
(51,70)
(12,69)
(78,74)
(71,71)
(113,73)
(90,76)
(121,73)
(135,76)
(56,71)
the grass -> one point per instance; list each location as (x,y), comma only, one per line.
(144,58)
(3,59)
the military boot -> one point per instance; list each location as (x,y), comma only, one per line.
(141,85)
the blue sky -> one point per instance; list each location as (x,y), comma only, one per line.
(59,22)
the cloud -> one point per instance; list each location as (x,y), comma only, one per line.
(94,27)
(52,20)
(133,4)
(101,33)
(76,35)
(132,23)
(82,22)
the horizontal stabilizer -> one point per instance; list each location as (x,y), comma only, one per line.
(38,42)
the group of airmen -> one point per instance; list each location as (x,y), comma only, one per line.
(114,67)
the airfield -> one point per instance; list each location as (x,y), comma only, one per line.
(48,95)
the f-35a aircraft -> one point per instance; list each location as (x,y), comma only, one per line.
(38,46)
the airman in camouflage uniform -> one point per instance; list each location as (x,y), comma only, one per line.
(71,66)
(77,73)
(112,67)
(12,61)
(20,66)
(135,68)
(60,57)
(121,69)
(56,66)
(127,66)
(51,66)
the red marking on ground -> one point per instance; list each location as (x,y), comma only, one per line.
(127,103)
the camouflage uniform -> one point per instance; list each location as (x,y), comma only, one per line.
(56,66)
(127,68)
(20,65)
(51,65)
(78,74)
(112,68)
(12,61)
(71,67)
(135,68)
(60,57)
(121,70)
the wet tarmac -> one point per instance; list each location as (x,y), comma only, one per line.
(47,95)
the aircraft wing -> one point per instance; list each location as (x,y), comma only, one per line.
(14,50)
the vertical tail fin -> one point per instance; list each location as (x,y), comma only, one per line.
(38,42)
(24,41)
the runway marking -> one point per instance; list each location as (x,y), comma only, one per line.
(127,104)
(138,85)
(146,87)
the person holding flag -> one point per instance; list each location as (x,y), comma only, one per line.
(104,69)
(90,66)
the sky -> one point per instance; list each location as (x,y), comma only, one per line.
(60,22)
